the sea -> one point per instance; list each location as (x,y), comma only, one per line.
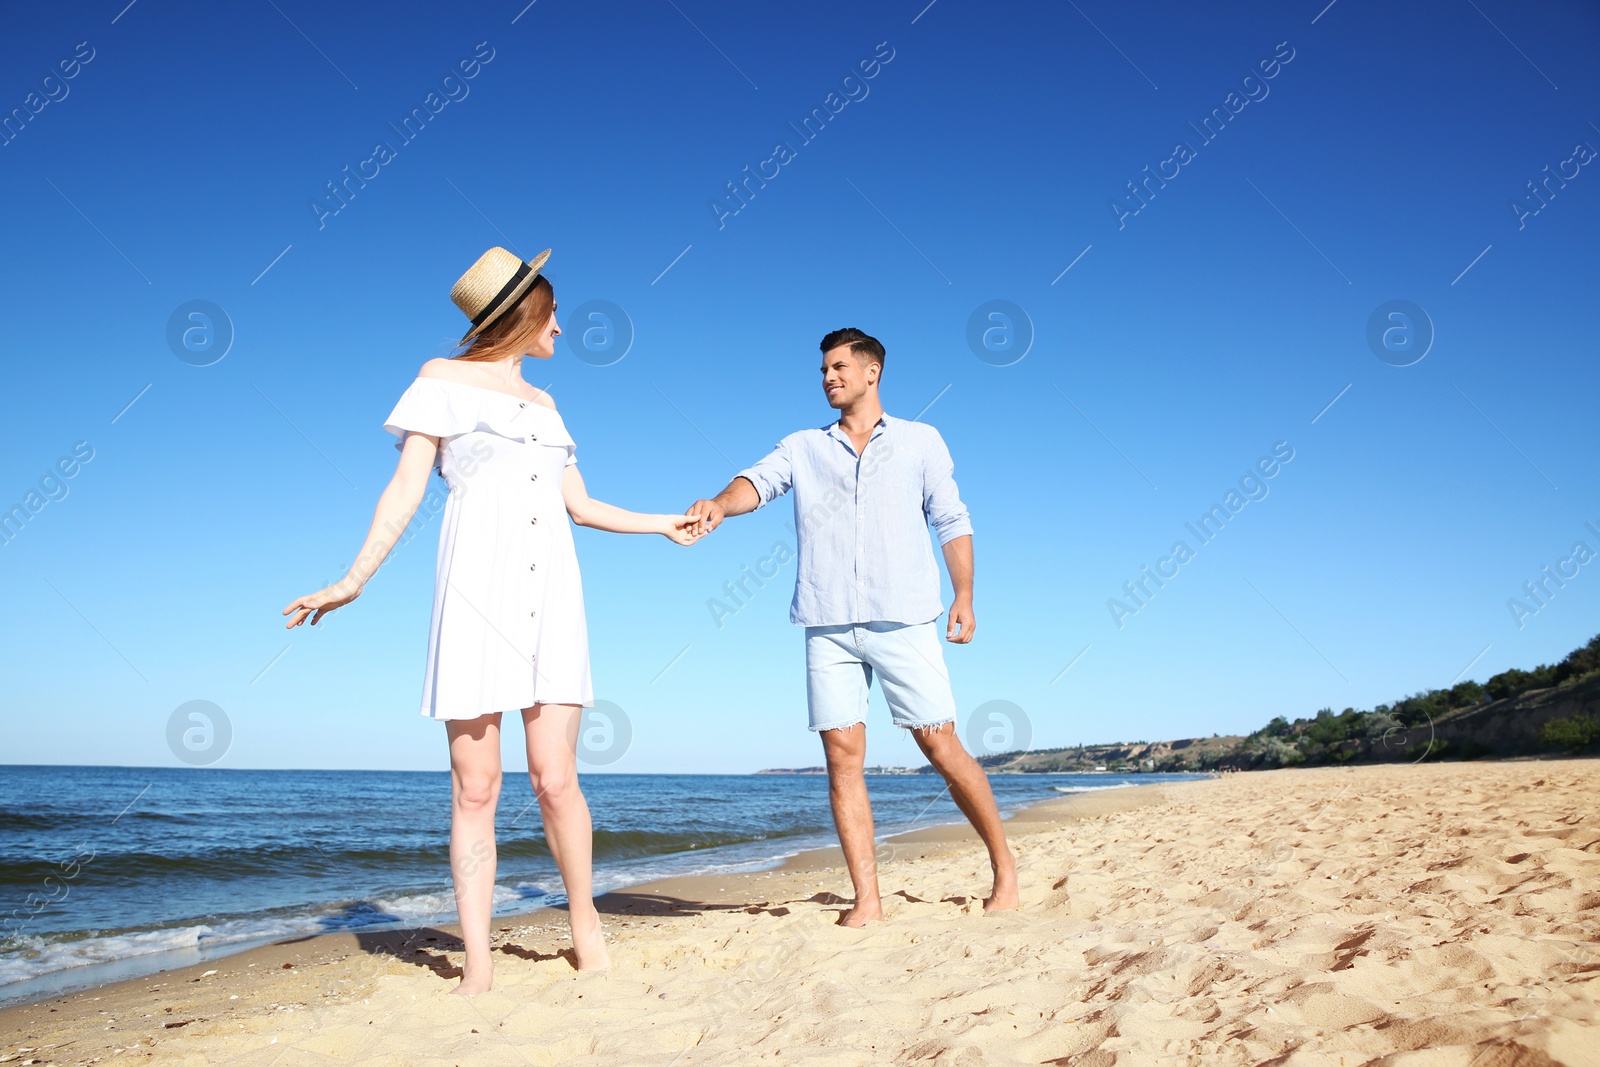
(109,873)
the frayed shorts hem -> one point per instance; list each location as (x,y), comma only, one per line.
(905,725)
(843,724)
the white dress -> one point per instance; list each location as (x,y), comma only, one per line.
(508,628)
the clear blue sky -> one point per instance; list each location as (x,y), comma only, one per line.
(1379,163)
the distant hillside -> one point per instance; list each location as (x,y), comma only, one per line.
(1552,708)
(1193,754)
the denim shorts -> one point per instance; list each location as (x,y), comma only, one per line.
(841,660)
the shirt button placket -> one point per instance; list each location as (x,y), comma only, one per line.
(861,548)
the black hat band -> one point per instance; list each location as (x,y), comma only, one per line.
(500,298)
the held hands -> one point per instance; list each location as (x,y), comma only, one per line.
(702,517)
(682,529)
(320,603)
(961,624)
(709,511)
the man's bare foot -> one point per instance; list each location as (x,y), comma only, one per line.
(862,914)
(1004,895)
(475,980)
(588,941)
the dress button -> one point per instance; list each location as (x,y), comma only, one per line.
(522,405)
(533,566)
(534,520)
(533,437)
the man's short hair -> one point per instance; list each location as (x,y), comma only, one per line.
(861,345)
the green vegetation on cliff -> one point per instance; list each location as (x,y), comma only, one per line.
(1552,707)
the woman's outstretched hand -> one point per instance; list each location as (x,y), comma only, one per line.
(320,603)
(683,529)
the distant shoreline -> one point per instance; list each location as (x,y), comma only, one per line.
(895,771)
(865,770)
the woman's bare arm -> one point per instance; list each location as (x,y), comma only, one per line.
(395,507)
(598,515)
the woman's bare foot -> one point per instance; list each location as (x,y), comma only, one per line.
(863,913)
(475,979)
(588,941)
(1004,895)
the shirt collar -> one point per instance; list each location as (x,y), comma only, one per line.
(835,431)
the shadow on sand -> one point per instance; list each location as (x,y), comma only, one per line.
(427,946)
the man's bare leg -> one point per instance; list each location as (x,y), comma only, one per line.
(846,751)
(969,788)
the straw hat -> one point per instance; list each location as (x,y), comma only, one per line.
(493,285)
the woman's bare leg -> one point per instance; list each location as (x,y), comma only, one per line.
(474,792)
(553,770)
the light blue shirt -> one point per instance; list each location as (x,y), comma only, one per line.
(862,521)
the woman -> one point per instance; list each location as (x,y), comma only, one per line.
(508,625)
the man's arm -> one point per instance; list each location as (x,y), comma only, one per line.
(941,501)
(740,498)
(769,479)
(958,559)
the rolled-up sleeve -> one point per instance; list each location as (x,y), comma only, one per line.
(941,501)
(773,475)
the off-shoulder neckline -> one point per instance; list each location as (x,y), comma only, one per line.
(485,389)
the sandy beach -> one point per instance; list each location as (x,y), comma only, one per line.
(1438,915)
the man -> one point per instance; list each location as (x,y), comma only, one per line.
(867,592)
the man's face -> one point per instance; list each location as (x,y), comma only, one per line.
(846,377)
